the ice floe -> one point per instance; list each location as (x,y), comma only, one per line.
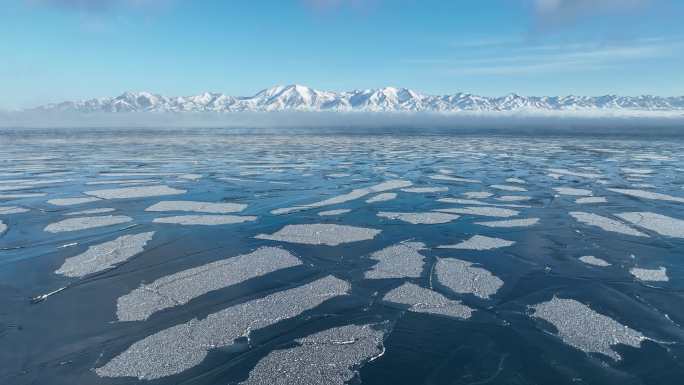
(606,224)
(205,220)
(422,300)
(179,288)
(384,197)
(402,260)
(20,196)
(71,201)
(647,195)
(448,178)
(658,223)
(91,212)
(7,210)
(3,228)
(508,188)
(513,198)
(83,223)
(650,275)
(509,223)
(477,194)
(516,180)
(589,200)
(560,171)
(475,202)
(591,260)
(464,278)
(480,242)
(583,328)
(184,346)
(427,218)
(578,192)
(481,211)
(105,255)
(198,207)
(321,234)
(135,192)
(331,213)
(121,181)
(425,189)
(329,357)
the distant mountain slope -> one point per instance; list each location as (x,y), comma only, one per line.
(389,99)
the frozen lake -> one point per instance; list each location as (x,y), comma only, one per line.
(232,256)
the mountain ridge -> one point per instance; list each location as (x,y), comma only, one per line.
(297,97)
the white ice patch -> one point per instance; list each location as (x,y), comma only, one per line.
(84,223)
(513,198)
(647,195)
(321,234)
(180,288)
(481,211)
(577,192)
(606,224)
(121,181)
(640,171)
(480,242)
(650,275)
(591,260)
(402,260)
(515,180)
(448,178)
(422,300)
(135,192)
(477,194)
(419,190)
(331,357)
(475,202)
(581,327)
(3,227)
(464,278)
(590,200)
(510,223)
(428,218)
(384,197)
(105,255)
(7,210)
(184,346)
(91,212)
(661,224)
(205,220)
(331,213)
(72,201)
(198,207)
(560,171)
(508,188)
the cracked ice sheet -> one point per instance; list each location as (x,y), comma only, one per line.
(650,275)
(135,192)
(591,260)
(353,195)
(321,234)
(71,201)
(480,242)
(384,197)
(661,224)
(199,207)
(578,192)
(581,327)
(181,287)
(464,278)
(105,255)
(7,210)
(84,223)
(184,346)
(329,357)
(606,224)
(647,195)
(422,300)
(428,218)
(510,223)
(402,260)
(481,211)
(205,220)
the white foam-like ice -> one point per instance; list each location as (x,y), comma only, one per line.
(180,288)
(464,278)
(510,223)
(591,260)
(480,242)
(198,207)
(402,260)
(481,211)
(647,195)
(72,201)
(135,192)
(650,275)
(181,347)
(384,197)
(205,220)
(84,223)
(422,300)
(105,255)
(606,224)
(321,234)
(577,192)
(661,224)
(583,328)
(427,218)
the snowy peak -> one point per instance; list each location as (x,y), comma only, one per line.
(297,97)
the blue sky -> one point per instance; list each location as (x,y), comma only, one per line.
(55,50)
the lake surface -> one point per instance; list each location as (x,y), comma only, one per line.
(240,256)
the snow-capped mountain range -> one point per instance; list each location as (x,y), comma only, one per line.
(389,99)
